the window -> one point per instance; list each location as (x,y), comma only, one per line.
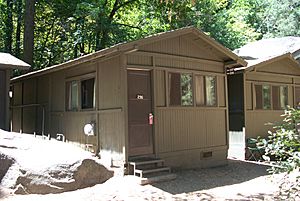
(271,97)
(180,89)
(87,94)
(206,90)
(210,86)
(72,95)
(280,97)
(266,93)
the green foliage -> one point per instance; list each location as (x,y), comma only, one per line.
(66,29)
(283,149)
(281,18)
(284,143)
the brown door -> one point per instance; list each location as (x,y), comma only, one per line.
(139,108)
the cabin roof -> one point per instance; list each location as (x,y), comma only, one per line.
(9,61)
(265,51)
(132,46)
(269,48)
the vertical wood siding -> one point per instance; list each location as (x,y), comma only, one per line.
(17,112)
(29,113)
(3,98)
(160,88)
(260,122)
(180,129)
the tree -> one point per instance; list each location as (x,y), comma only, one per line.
(8,27)
(281,18)
(19,12)
(29,31)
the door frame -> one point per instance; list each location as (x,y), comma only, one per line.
(152,92)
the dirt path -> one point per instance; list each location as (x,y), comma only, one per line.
(237,181)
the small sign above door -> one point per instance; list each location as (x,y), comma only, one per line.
(139,96)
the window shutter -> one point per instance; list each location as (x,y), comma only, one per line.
(276,98)
(175,89)
(258,95)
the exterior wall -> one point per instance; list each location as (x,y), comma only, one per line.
(4,100)
(43,97)
(259,122)
(184,134)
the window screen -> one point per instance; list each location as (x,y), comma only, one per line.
(180,89)
(72,95)
(283,97)
(199,90)
(87,93)
(211,97)
(266,89)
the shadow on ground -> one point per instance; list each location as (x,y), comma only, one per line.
(202,179)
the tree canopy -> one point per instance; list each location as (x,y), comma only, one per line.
(66,29)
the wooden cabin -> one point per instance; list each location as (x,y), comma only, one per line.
(163,96)
(259,93)
(7,63)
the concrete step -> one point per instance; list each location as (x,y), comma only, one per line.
(146,162)
(155,179)
(142,172)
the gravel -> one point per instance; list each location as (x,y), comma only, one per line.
(239,180)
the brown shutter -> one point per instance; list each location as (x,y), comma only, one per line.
(174,89)
(67,101)
(258,95)
(276,98)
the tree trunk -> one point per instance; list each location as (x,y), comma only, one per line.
(29,31)
(18,29)
(8,27)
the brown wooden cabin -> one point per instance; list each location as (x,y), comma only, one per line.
(259,93)
(7,64)
(178,77)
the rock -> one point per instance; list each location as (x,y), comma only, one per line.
(63,178)
(5,163)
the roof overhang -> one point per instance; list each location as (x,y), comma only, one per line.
(129,47)
(7,61)
(288,56)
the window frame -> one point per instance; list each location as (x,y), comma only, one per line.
(79,80)
(169,89)
(204,90)
(272,97)
(193,88)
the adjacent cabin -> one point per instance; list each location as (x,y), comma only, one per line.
(7,64)
(163,96)
(259,93)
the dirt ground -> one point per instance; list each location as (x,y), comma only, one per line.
(238,180)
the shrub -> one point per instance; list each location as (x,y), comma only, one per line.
(282,149)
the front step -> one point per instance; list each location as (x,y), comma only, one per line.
(142,172)
(151,170)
